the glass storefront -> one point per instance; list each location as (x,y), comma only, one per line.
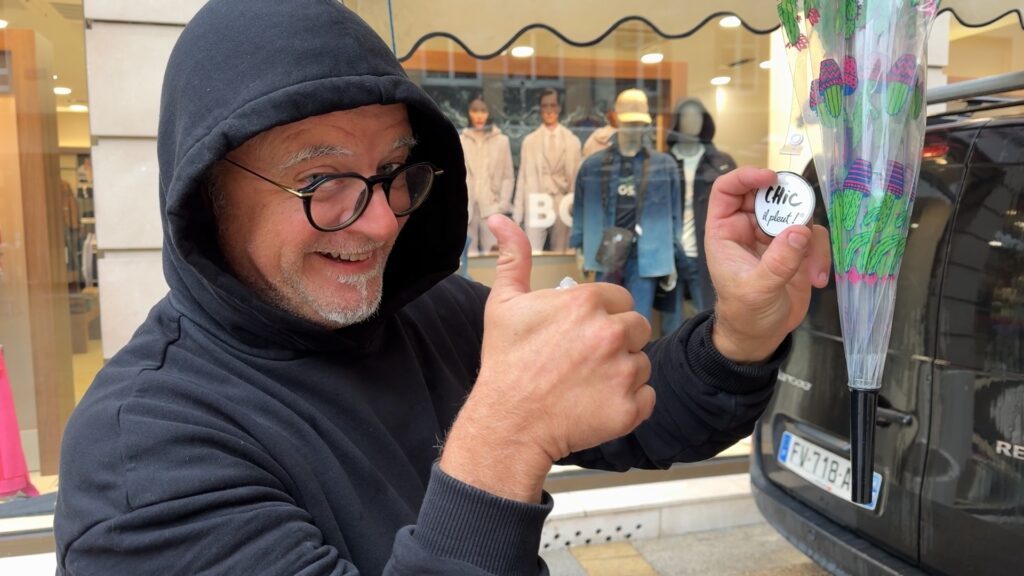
(49,251)
(49,303)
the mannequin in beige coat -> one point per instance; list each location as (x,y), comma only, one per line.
(549,160)
(489,175)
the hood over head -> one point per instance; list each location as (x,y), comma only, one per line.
(707,129)
(243,67)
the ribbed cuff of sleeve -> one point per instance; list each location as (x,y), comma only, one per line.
(712,367)
(460,522)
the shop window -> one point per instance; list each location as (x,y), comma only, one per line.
(49,305)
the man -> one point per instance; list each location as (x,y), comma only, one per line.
(548,161)
(281,410)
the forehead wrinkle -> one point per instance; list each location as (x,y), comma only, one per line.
(314,152)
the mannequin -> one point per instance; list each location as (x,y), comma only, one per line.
(630,186)
(601,138)
(489,175)
(700,163)
(549,159)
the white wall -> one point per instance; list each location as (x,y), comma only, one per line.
(127,47)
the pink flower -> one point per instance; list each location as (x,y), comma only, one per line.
(813,16)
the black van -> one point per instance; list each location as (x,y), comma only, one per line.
(949,444)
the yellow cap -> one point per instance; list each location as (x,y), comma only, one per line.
(631,106)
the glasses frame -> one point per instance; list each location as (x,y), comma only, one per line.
(385,181)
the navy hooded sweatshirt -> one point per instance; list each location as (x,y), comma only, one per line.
(230,437)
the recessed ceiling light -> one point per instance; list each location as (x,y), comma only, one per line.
(765,65)
(522,51)
(3,24)
(720,80)
(995,244)
(54,76)
(652,57)
(729,22)
(78,108)
(61,90)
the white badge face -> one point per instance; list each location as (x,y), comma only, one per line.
(788,202)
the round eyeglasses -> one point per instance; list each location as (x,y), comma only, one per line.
(335,201)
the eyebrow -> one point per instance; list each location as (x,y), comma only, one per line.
(329,150)
(314,152)
(404,142)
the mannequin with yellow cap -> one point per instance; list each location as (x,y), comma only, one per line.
(626,208)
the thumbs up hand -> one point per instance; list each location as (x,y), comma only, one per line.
(561,371)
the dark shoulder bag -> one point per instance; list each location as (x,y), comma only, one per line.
(617,242)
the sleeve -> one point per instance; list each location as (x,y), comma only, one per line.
(524,182)
(186,496)
(576,236)
(463,530)
(573,160)
(705,403)
(677,208)
(508,179)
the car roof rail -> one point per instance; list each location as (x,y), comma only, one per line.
(974,88)
(976,95)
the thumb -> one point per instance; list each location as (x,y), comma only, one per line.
(515,260)
(783,258)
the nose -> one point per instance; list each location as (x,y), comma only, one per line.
(378,220)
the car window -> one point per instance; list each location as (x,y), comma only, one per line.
(982,319)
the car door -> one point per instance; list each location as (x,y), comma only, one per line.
(812,402)
(972,516)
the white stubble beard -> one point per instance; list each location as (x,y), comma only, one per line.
(369,288)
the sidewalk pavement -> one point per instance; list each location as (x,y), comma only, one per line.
(751,550)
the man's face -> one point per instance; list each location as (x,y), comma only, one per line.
(333,279)
(549,109)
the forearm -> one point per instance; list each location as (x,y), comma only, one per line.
(498,459)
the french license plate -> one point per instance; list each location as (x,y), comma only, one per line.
(823,468)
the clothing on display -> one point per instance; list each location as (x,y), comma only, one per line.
(691,137)
(549,159)
(598,140)
(608,180)
(490,179)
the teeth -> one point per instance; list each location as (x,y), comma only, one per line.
(346,257)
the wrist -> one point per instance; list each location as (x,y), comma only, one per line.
(737,347)
(478,453)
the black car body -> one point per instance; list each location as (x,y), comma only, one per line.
(949,440)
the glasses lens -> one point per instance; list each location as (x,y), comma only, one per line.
(337,201)
(410,188)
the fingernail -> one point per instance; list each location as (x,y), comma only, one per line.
(798,241)
(822,278)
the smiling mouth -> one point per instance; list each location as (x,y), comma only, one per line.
(345,258)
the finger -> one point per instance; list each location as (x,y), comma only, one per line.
(733,192)
(512,277)
(643,372)
(819,257)
(645,399)
(638,330)
(783,258)
(612,298)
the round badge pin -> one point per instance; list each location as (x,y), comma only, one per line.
(787,202)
